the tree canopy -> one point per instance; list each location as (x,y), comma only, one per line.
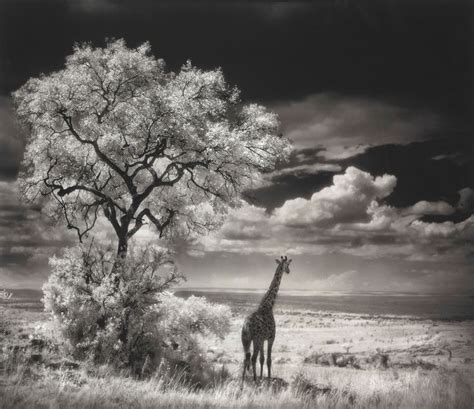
(114,133)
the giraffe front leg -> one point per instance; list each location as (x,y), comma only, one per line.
(269,357)
(256,348)
(245,367)
(246,345)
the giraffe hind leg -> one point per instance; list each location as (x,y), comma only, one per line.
(269,357)
(246,341)
(246,344)
(256,348)
(262,360)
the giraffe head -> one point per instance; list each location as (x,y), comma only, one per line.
(284,264)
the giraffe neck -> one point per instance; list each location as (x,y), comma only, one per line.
(268,299)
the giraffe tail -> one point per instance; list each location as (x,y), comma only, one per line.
(246,341)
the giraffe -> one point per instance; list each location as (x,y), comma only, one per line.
(260,325)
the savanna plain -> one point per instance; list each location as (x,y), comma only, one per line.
(322,358)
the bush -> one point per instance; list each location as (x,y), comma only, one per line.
(181,321)
(121,313)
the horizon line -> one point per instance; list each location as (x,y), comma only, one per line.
(302,290)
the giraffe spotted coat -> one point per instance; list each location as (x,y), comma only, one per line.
(260,325)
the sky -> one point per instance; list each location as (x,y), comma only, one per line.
(376,97)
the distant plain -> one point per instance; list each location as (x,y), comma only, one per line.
(369,350)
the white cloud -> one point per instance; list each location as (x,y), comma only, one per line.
(347,217)
(463,230)
(380,218)
(242,231)
(346,200)
(430,208)
(446,156)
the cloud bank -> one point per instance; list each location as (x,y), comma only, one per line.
(345,126)
(348,217)
(27,240)
(346,200)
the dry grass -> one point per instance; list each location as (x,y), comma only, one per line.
(429,368)
(75,389)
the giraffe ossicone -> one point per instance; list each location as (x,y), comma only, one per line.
(260,325)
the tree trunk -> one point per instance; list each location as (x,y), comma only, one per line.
(122,250)
(123,332)
(122,247)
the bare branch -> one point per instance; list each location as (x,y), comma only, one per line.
(161,226)
(128,181)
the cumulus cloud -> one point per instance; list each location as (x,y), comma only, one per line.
(245,230)
(346,126)
(430,208)
(245,223)
(347,217)
(346,200)
(463,230)
(380,218)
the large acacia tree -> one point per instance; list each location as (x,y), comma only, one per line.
(114,133)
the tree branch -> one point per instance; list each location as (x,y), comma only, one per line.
(126,178)
(161,226)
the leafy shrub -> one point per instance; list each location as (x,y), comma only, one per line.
(121,313)
(181,322)
(180,317)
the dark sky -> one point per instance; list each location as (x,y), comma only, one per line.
(415,50)
(385,87)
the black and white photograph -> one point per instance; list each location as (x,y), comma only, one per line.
(236,204)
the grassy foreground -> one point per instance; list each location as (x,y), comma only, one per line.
(75,389)
(321,360)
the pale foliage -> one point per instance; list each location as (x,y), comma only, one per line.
(123,316)
(114,132)
(180,317)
